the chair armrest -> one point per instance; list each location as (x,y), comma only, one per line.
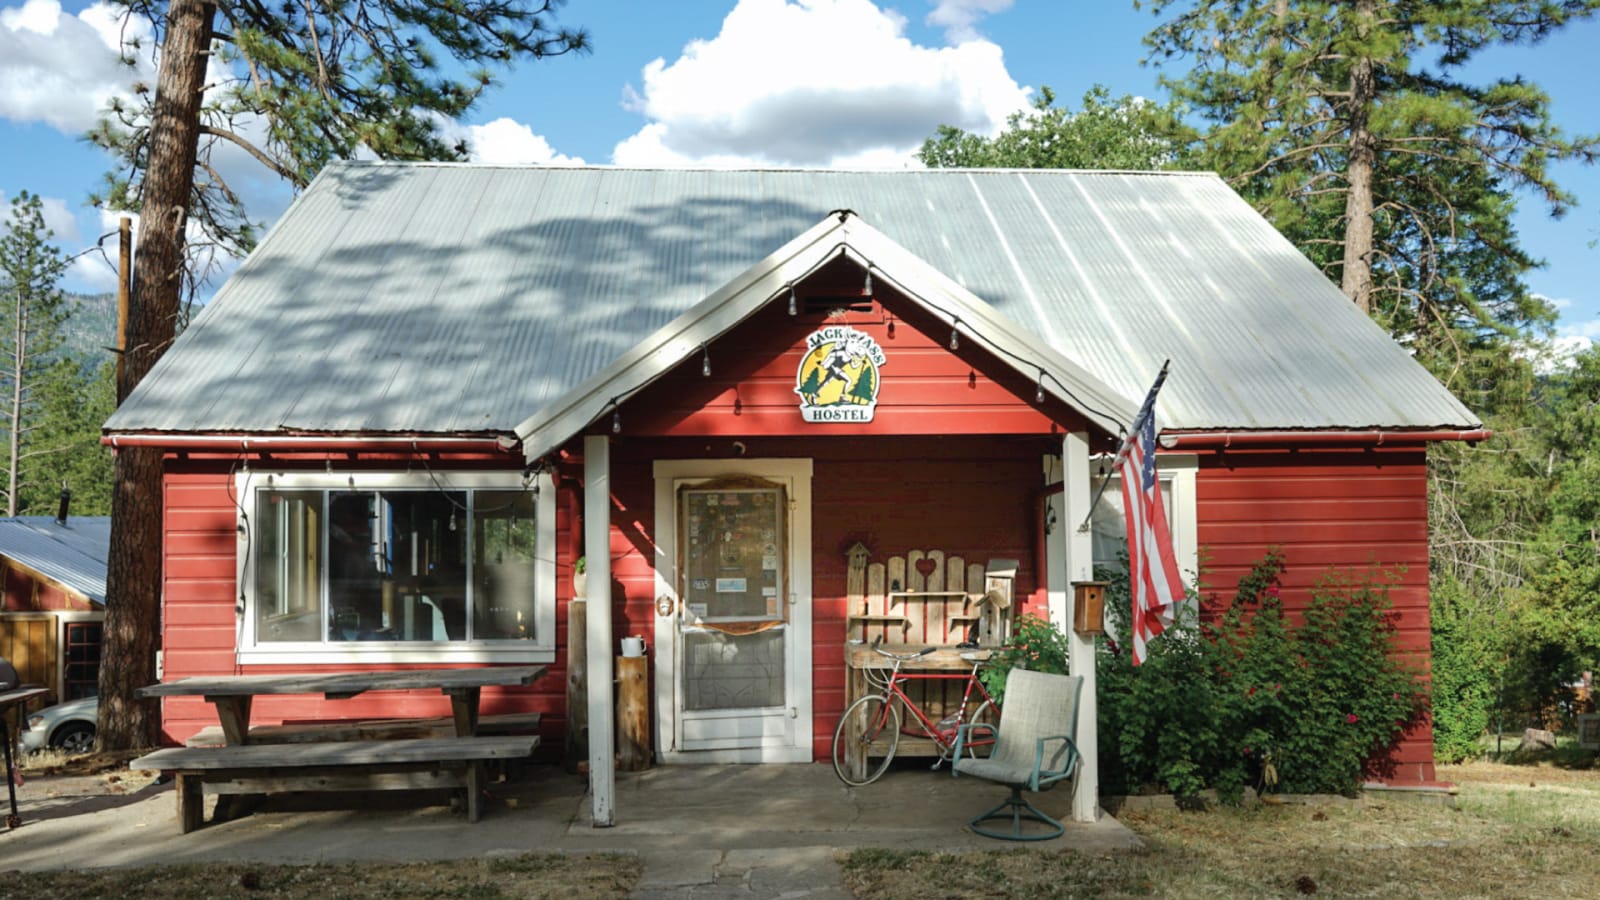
(1043,778)
(962,737)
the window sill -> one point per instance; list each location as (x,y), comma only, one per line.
(315,655)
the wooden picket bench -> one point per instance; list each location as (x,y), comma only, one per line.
(359,765)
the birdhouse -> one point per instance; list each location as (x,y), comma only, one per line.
(1089,607)
(1000,584)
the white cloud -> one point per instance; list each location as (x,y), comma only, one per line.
(508,142)
(58,217)
(61,69)
(959,18)
(813,83)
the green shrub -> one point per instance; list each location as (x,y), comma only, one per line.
(1249,699)
(1034,644)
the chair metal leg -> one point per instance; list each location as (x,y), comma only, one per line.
(1016,808)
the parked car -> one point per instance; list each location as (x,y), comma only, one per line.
(68,727)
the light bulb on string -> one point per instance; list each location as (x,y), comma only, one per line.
(955,339)
(1038,392)
(705,363)
(794,302)
(616,422)
(867,288)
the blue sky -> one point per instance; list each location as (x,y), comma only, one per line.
(774,82)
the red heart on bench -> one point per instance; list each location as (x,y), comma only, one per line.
(926,567)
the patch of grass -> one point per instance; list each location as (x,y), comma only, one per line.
(1504,839)
(559,877)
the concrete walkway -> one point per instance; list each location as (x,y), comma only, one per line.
(701,831)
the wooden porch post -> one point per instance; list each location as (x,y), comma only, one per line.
(1079,566)
(597,551)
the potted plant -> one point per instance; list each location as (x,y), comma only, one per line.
(580,577)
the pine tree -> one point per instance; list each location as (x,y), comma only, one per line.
(1348,125)
(30,269)
(320,82)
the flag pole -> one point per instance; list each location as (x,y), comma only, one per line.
(1146,409)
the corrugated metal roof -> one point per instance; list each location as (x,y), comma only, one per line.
(439,298)
(73,555)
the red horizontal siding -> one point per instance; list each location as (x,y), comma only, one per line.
(1353,511)
(925,388)
(198,620)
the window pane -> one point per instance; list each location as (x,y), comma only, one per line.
(1108,526)
(504,530)
(288,577)
(417,586)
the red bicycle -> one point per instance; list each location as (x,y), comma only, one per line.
(865,740)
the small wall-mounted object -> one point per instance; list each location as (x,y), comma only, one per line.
(1089,607)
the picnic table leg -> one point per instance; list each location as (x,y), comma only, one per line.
(474,790)
(191,801)
(10,773)
(233,713)
(464,708)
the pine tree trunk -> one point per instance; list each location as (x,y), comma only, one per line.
(19,357)
(133,575)
(1358,229)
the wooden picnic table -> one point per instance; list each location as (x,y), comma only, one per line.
(232,695)
(243,767)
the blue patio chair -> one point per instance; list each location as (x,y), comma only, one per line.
(1033,749)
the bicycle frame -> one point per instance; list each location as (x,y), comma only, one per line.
(925,726)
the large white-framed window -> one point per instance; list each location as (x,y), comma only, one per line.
(396,567)
(1108,524)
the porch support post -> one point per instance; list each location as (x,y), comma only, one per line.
(597,552)
(1079,550)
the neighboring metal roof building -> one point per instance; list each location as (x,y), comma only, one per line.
(449,298)
(72,555)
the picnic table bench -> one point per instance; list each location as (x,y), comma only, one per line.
(341,756)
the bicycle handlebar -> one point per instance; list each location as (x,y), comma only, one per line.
(903,657)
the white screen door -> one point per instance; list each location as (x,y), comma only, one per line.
(733,648)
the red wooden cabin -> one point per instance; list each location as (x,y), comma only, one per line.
(433,388)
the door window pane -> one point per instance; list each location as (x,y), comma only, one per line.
(733,562)
(732,671)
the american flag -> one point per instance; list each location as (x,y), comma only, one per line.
(1152,567)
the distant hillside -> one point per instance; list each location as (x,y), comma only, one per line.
(91,327)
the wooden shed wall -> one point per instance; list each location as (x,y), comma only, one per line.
(27,591)
(1350,509)
(29,642)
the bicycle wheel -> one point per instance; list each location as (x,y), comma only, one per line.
(865,739)
(986,714)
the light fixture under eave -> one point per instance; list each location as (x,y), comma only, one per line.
(705,362)
(955,339)
(1038,392)
(616,422)
(794,302)
(867,288)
